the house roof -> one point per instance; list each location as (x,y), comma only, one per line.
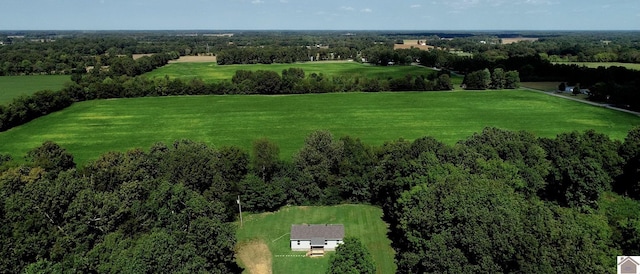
(321,231)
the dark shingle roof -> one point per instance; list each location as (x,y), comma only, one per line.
(307,232)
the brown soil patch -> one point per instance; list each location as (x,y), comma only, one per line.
(195,59)
(544,86)
(255,256)
(412,45)
(518,39)
(138,56)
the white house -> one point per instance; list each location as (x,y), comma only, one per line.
(316,238)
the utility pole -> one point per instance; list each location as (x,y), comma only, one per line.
(239,209)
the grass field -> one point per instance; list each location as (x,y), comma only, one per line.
(602,64)
(272,229)
(14,86)
(88,129)
(211,72)
(543,86)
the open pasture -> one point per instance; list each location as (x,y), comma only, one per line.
(14,86)
(602,64)
(88,129)
(543,86)
(196,59)
(272,230)
(505,41)
(212,72)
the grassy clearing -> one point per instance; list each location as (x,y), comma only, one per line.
(543,86)
(14,86)
(602,64)
(360,221)
(88,129)
(211,72)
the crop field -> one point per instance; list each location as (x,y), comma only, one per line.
(88,129)
(14,86)
(211,72)
(543,86)
(263,240)
(602,64)
(518,39)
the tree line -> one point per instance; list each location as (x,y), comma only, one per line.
(498,79)
(615,85)
(498,201)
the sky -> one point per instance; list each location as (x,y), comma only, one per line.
(320,15)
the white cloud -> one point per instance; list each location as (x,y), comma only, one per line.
(367,10)
(415,6)
(462,4)
(257,2)
(536,2)
(347,8)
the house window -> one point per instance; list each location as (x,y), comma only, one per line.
(298,242)
(325,242)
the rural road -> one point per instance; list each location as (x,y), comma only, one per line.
(585,102)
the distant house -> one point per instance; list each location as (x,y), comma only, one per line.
(316,238)
(569,89)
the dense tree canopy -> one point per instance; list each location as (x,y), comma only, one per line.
(351,257)
(499,201)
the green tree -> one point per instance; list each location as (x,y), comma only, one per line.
(576,90)
(317,162)
(444,82)
(480,79)
(351,257)
(562,86)
(583,165)
(498,79)
(266,158)
(512,79)
(629,182)
(51,157)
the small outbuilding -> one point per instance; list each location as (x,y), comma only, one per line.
(316,238)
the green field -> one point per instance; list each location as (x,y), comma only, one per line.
(14,86)
(602,64)
(88,129)
(211,72)
(543,86)
(361,221)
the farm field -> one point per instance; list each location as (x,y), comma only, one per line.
(272,230)
(602,64)
(212,72)
(88,129)
(543,86)
(14,86)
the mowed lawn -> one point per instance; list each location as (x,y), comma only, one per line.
(602,64)
(14,86)
(211,72)
(88,129)
(361,221)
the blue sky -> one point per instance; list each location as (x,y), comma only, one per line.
(320,14)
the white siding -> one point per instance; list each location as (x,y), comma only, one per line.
(300,245)
(331,245)
(306,245)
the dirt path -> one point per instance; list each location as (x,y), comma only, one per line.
(255,256)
